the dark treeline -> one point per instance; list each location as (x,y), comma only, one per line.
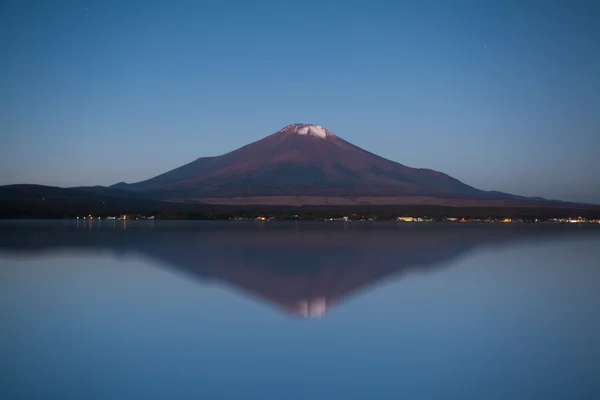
(35,201)
(58,209)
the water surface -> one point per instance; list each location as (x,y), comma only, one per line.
(180,310)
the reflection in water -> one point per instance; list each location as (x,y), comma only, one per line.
(304,269)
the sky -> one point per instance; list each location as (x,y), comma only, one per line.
(503,95)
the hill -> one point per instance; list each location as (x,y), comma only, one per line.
(304,164)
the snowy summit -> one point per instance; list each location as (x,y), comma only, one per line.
(307,129)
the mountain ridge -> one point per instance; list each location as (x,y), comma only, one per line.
(306,160)
(299,165)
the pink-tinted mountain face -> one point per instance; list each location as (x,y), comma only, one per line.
(304,160)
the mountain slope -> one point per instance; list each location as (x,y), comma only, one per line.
(304,160)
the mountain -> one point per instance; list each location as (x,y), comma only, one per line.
(310,161)
(302,271)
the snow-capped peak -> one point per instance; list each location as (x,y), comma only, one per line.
(308,129)
(315,130)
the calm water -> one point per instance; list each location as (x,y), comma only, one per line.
(191,310)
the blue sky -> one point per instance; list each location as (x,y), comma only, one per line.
(502,95)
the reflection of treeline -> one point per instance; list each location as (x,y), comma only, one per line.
(73,207)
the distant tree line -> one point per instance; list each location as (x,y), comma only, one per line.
(73,207)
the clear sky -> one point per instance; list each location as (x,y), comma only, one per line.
(503,95)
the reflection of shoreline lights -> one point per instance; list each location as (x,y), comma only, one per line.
(312,308)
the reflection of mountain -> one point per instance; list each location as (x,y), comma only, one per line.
(303,271)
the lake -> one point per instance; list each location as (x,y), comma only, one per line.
(295,310)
